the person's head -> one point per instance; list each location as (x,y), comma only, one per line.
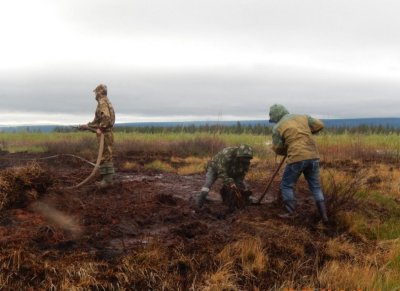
(244,154)
(100,90)
(276,112)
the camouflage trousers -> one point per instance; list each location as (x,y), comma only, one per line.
(107,151)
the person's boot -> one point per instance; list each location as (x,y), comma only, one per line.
(322,211)
(200,199)
(107,172)
(289,209)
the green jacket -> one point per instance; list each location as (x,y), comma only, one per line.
(227,167)
(104,116)
(292,136)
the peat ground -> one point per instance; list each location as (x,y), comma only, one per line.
(144,233)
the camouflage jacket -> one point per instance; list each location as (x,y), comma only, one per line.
(292,136)
(105,116)
(227,167)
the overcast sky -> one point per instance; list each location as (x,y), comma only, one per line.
(165,60)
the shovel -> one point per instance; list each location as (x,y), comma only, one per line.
(271,180)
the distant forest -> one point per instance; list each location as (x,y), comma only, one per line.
(239,128)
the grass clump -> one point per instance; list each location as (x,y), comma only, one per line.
(340,247)
(130,166)
(21,185)
(248,253)
(223,279)
(192,165)
(160,166)
(338,275)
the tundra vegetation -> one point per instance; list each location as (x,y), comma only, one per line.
(145,234)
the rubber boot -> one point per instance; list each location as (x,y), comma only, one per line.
(200,199)
(248,196)
(107,172)
(289,208)
(322,211)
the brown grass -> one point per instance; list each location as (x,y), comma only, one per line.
(161,166)
(198,146)
(85,146)
(130,166)
(192,165)
(248,253)
(339,275)
(340,247)
(21,185)
(223,279)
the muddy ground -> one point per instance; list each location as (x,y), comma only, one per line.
(147,210)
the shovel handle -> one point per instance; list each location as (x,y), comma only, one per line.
(271,180)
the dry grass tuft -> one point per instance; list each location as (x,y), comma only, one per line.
(339,247)
(160,166)
(21,185)
(223,279)
(146,269)
(192,165)
(130,166)
(248,253)
(81,276)
(347,276)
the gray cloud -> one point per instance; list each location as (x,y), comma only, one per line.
(205,58)
(272,23)
(227,92)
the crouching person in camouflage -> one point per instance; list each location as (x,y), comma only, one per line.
(103,122)
(231,165)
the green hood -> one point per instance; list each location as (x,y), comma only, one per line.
(276,112)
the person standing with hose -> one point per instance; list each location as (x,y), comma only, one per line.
(103,123)
(292,137)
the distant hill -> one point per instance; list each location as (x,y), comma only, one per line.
(395,122)
(392,122)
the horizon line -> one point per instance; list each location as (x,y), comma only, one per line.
(180,122)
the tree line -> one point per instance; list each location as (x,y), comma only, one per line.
(239,128)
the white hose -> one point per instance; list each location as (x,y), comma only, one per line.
(99,157)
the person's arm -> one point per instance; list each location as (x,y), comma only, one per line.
(315,125)
(96,121)
(102,118)
(222,169)
(278,144)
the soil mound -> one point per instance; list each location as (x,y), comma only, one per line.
(21,185)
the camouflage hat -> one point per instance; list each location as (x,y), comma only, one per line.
(102,89)
(276,112)
(244,150)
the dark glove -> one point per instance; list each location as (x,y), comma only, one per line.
(247,193)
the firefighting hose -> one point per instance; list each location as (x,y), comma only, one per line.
(99,157)
(96,165)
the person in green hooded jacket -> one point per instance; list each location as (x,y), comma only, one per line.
(292,136)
